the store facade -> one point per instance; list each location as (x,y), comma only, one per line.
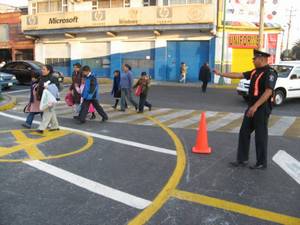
(155,38)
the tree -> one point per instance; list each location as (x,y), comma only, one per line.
(286,55)
(296,50)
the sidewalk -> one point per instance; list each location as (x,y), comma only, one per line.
(107,82)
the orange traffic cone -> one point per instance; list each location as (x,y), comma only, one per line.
(201,141)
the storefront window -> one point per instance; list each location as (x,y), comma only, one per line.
(149,2)
(50,6)
(183,2)
(4,32)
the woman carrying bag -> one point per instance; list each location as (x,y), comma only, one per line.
(33,107)
(142,88)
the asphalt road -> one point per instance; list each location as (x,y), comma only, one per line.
(140,160)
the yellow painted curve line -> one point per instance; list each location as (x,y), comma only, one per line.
(172,183)
(11,104)
(32,148)
(236,208)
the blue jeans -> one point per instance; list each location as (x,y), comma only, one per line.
(30,117)
(126,94)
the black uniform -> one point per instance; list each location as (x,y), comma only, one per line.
(261,79)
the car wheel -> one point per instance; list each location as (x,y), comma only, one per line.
(279,97)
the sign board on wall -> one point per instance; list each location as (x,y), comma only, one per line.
(198,13)
(242,40)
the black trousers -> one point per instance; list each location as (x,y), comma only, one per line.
(143,102)
(85,108)
(204,86)
(259,124)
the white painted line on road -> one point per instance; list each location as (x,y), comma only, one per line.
(223,121)
(281,126)
(11,92)
(289,164)
(104,137)
(91,185)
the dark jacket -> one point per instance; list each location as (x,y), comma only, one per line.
(205,74)
(44,79)
(76,80)
(116,90)
(90,90)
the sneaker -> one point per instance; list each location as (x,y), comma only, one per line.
(258,167)
(93,117)
(26,125)
(239,163)
(76,117)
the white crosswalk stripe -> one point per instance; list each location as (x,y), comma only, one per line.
(169,116)
(192,120)
(281,126)
(223,121)
(186,118)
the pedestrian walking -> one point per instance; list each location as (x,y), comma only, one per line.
(262,82)
(204,76)
(46,76)
(90,96)
(75,87)
(33,107)
(142,86)
(50,95)
(126,83)
(116,89)
(183,72)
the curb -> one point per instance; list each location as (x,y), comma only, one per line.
(8,103)
(194,85)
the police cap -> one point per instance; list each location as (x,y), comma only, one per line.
(258,53)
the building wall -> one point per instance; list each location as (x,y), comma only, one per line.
(238,58)
(158,56)
(13,44)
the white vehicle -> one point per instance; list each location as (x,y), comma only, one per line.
(287,85)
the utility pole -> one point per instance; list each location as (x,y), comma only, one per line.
(261,25)
(221,79)
(289,26)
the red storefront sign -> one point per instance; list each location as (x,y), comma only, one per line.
(272,44)
(243,41)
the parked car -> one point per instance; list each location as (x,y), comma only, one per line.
(287,85)
(7,80)
(24,69)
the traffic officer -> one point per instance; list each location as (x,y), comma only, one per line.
(262,83)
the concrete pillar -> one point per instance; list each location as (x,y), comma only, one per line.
(39,52)
(115,56)
(75,54)
(160,64)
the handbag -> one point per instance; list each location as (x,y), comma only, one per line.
(138,90)
(27,108)
(69,99)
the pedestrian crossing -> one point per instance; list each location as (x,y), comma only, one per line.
(229,122)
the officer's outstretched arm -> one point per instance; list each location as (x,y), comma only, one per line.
(229,75)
